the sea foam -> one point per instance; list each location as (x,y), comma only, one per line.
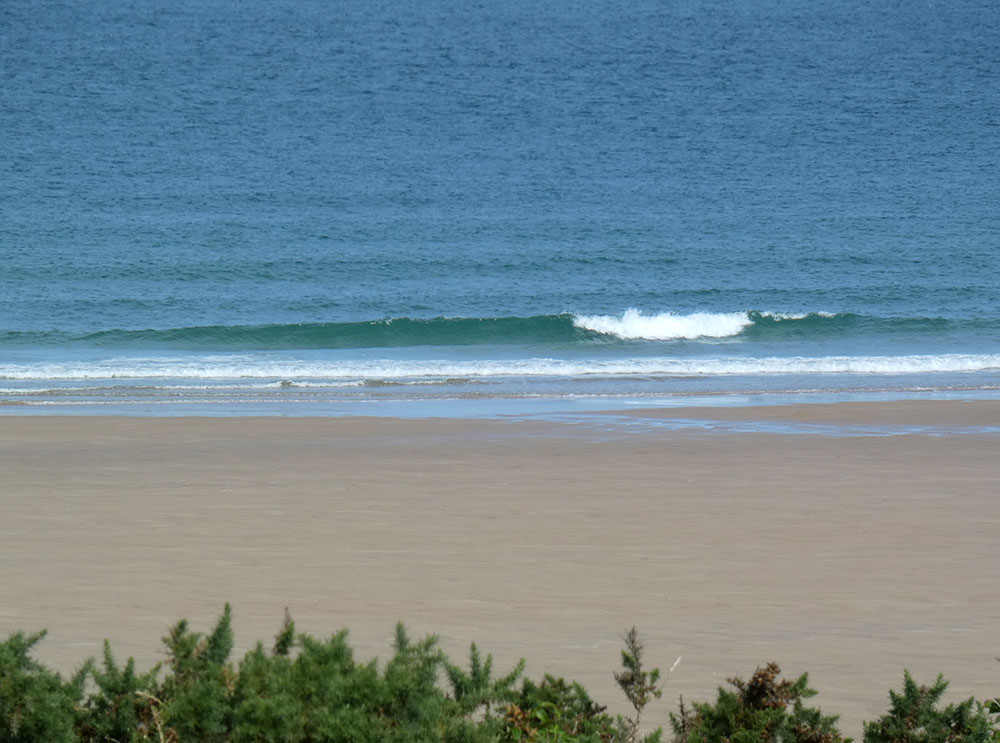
(634,325)
(250,370)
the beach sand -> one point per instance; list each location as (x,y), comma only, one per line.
(850,557)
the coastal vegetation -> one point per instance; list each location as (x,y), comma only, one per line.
(303,689)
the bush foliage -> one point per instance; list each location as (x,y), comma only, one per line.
(308,690)
(914,717)
(301,690)
(761,710)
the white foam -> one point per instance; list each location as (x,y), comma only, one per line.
(247,372)
(634,325)
(795,315)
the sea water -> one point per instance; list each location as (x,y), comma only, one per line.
(463,208)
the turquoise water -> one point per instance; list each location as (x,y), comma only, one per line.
(455,208)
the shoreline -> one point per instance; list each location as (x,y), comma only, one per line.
(451,399)
(850,557)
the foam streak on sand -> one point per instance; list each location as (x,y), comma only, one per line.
(849,558)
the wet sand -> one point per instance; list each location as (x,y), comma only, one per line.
(850,557)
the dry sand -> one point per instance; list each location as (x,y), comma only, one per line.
(847,557)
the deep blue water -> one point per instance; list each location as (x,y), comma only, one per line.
(308,206)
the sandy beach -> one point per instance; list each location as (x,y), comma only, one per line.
(851,557)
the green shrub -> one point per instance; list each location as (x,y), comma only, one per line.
(477,690)
(761,710)
(323,695)
(36,705)
(639,686)
(409,704)
(555,710)
(914,717)
(123,707)
(306,690)
(265,710)
(197,695)
(993,707)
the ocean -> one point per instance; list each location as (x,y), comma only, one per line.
(484,209)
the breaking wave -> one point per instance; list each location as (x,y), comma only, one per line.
(539,330)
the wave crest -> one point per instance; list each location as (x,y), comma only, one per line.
(544,331)
(634,325)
